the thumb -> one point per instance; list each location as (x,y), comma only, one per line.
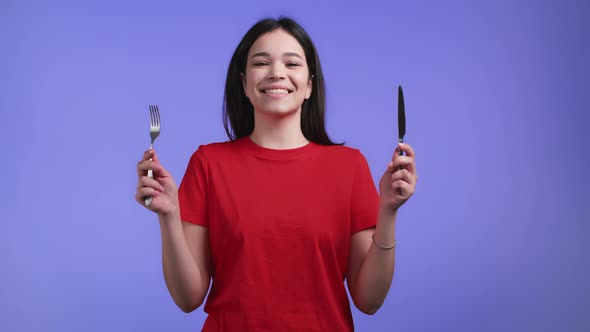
(390,169)
(160,171)
(155,156)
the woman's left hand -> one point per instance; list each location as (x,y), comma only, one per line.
(398,185)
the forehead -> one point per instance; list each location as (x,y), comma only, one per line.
(276,43)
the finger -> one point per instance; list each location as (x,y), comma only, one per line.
(396,157)
(406,162)
(150,183)
(155,156)
(392,165)
(401,186)
(389,167)
(405,147)
(151,164)
(395,154)
(146,165)
(150,154)
(397,150)
(147,154)
(405,176)
(160,171)
(401,174)
(145,192)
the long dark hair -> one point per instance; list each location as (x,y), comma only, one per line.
(238,113)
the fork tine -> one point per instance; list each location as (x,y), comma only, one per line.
(157,116)
(151,115)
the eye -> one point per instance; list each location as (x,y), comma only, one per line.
(293,64)
(259,64)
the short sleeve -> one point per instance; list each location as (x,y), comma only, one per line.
(192,193)
(364,200)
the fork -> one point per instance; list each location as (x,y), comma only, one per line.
(154,133)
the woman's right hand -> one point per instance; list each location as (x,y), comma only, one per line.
(162,187)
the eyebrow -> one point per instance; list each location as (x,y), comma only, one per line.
(265,54)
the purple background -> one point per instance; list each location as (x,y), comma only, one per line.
(496,99)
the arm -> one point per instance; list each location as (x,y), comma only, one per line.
(185,261)
(185,246)
(370,268)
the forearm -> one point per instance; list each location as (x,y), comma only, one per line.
(183,277)
(376,272)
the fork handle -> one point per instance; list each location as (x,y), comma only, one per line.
(148,199)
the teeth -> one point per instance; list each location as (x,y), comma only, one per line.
(276,91)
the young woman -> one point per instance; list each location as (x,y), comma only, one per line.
(279,216)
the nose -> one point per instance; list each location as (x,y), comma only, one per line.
(276,73)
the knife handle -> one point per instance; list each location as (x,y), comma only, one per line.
(400,153)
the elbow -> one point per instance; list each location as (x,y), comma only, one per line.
(188,300)
(188,306)
(187,309)
(366,302)
(369,310)
(366,308)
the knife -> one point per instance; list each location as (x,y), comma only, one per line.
(401,115)
(401,121)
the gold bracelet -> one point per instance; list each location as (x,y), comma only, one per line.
(382,247)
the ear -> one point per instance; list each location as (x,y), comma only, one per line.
(309,87)
(243,78)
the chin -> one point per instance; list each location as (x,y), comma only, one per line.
(279,111)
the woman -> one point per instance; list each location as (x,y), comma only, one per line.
(279,216)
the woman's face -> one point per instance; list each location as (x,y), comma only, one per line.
(277,78)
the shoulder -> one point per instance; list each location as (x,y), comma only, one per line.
(342,153)
(215,150)
(345,158)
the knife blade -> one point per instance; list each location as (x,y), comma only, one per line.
(401,114)
(401,123)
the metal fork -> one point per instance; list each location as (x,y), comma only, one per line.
(154,133)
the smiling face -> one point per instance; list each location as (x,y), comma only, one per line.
(277,79)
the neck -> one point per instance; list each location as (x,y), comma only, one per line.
(278,132)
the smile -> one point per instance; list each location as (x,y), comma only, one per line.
(276,91)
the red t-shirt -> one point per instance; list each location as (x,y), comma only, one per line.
(280,223)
